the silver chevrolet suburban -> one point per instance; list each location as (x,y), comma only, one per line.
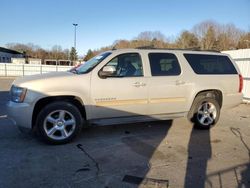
(124,86)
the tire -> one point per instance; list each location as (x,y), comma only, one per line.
(205,112)
(59,123)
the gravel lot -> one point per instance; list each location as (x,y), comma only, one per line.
(163,154)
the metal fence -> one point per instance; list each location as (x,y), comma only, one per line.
(9,69)
(244,66)
(242,59)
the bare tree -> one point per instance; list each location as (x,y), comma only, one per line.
(35,51)
(244,41)
(226,36)
(233,35)
(151,35)
(121,44)
(208,42)
(200,29)
(187,40)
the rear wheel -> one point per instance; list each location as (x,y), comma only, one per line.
(59,122)
(205,112)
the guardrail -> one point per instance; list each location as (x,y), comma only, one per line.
(9,69)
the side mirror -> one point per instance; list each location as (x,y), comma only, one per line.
(107,71)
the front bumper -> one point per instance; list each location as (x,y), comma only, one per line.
(20,114)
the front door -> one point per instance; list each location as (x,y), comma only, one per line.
(124,93)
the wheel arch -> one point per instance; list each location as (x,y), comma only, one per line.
(214,93)
(46,100)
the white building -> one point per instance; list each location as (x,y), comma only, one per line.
(7,54)
(34,61)
(18,61)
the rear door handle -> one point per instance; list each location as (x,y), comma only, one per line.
(139,84)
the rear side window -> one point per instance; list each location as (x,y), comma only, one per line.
(210,64)
(164,64)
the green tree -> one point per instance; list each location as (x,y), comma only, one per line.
(89,55)
(73,54)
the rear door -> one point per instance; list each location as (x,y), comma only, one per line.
(167,87)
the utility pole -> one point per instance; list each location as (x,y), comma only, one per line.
(74,24)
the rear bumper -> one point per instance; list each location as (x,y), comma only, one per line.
(20,114)
(232,100)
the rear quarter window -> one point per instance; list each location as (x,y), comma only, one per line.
(210,64)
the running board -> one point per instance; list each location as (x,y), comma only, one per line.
(136,119)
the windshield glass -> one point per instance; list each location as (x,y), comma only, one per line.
(90,64)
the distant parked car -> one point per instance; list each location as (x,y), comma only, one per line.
(128,85)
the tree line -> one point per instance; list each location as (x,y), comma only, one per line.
(207,35)
(34,51)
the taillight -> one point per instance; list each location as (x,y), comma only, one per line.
(240,83)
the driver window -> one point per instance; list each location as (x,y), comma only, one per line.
(127,65)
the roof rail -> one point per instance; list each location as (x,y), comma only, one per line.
(145,47)
(184,49)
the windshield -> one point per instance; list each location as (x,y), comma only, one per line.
(90,64)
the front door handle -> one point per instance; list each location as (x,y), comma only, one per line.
(139,84)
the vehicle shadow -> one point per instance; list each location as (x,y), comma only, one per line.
(107,156)
(199,152)
(121,155)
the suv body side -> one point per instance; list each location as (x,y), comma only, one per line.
(161,95)
(119,97)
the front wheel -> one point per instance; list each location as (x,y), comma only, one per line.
(59,122)
(205,112)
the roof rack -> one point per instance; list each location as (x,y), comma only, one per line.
(184,49)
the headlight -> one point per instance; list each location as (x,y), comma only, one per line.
(17,93)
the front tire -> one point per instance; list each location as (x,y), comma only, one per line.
(59,122)
(205,112)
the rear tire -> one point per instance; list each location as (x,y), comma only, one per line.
(59,123)
(205,112)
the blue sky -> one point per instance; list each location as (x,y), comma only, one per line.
(101,22)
